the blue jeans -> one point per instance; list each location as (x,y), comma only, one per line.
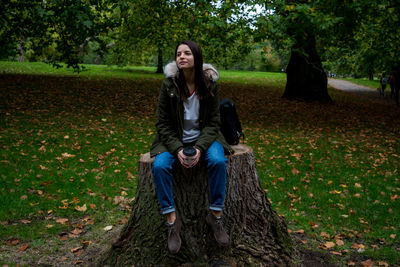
(216,167)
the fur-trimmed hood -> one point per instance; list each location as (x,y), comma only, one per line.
(171,70)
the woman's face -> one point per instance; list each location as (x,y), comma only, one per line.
(184,57)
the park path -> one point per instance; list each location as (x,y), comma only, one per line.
(363,91)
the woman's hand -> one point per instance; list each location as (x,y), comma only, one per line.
(183,159)
(196,158)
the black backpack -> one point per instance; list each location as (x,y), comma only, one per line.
(230,124)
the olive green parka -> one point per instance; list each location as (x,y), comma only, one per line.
(170,115)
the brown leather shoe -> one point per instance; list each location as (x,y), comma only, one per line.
(174,240)
(218,229)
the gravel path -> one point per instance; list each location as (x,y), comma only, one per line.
(362,91)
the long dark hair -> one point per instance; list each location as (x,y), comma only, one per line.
(201,81)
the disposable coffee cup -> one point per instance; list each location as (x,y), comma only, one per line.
(189,152)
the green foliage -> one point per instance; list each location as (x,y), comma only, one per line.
(352,37)
(57,31)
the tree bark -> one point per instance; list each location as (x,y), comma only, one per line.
(306,79)
(258,236)
(160,61)
(21,49)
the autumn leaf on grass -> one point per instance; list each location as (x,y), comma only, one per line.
(383,263)
(130,175)
(107,228)
(81,209)
(12,242)
(23,247)
(76,231)
(328,245)
(67,155)
(359,247)
(74,250)
(339,242)
(295,171)
(118,199)
(325,235)
(314,225)
(367,263)
(62,220)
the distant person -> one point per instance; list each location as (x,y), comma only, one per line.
(188,119)
(383,83)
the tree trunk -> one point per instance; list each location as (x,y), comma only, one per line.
(21,49)
(160,61)
(306,78)
(258,236)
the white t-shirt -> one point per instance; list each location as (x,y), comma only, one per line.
(191,131)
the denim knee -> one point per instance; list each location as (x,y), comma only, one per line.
(163,163)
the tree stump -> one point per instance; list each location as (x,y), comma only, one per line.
(258,236)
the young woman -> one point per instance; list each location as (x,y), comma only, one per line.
(188,115)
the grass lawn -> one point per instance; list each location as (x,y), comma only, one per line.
(70,144)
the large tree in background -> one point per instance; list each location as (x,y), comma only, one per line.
(358,35)
(298,26)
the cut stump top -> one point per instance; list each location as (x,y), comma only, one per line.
(239,150)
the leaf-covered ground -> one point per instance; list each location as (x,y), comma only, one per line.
(70,146)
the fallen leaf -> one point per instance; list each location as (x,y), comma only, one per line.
(74,250)
(49,226)
(92,206)
(301,231)
(393,236)
(62,220)
(12,242)
(26,221)
(76,231)
(351,263)
(86,243)
(295,171)
(67,155)
(338,253)
(328,245)
(339,242)
(367,263)
(63,258)
(23,247)
(383,263)
(108,228)
(78,262)
(314,225)
(325,235)
(81,209)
